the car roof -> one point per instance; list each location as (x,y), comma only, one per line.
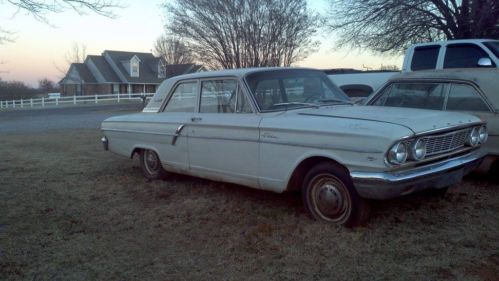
(457,41)
(487,79)
(237,72)
(162,91)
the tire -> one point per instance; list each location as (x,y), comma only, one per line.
(151,165)
(340,204)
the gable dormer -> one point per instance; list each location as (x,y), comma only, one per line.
(135,66)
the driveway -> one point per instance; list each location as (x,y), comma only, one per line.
(81,117)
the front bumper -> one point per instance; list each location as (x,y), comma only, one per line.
(386,185)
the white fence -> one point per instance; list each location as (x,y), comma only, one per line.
(44,102)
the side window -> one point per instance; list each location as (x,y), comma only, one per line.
(420,95)
(216,96)
(464,97)
(463,56)
(381,99)
(183,98)
(267,93)
(243,104)
(425,57)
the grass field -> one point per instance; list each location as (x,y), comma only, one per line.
(70,211)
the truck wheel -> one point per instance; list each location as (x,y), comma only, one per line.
(328,195)
(151,165)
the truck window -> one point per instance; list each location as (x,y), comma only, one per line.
(493,46)
(425,57)
(464,97)
(463,56)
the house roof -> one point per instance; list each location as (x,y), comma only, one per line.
(114,67)
(148,72)
(85,74)
(104,68)
(179,69)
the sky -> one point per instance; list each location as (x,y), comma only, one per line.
(39,49)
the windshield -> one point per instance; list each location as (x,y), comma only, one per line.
(293,88)
(493,46)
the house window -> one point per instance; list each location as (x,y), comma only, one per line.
(134,67)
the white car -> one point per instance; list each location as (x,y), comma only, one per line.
(284,129)
(470,90)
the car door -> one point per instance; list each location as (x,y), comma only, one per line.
(172,122)
(223,135)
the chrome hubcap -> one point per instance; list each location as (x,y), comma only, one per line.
(332,201)
(151,161)
(329,199)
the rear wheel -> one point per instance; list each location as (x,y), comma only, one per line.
(328,195)
(151,165)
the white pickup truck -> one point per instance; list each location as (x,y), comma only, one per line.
(466,53)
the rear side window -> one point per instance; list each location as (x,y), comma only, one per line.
(420,95)
(464,97)
(425,57)
(463,56)
(183,98)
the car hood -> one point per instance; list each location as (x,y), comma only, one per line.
(416,120)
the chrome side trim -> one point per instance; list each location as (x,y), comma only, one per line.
(322,146)
(139,132)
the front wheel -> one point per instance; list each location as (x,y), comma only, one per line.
(151,165)
(328,195)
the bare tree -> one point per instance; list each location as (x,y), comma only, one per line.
(244,33)
(76,54)
(41,8)
(391,25)
(173,50)
(46,86)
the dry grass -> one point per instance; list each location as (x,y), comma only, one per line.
(70,211)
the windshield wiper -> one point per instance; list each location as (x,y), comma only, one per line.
(335,101)
(296,103)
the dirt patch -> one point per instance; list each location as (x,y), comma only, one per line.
(70,211)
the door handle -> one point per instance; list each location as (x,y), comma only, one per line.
(196,119)
(177,133)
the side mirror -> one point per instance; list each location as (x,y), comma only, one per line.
(485,62)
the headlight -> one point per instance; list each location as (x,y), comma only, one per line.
(473,137)
(397,154)
(418,151)
(483,135)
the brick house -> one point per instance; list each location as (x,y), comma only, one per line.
(120,72)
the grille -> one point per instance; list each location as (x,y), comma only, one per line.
(438,144)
